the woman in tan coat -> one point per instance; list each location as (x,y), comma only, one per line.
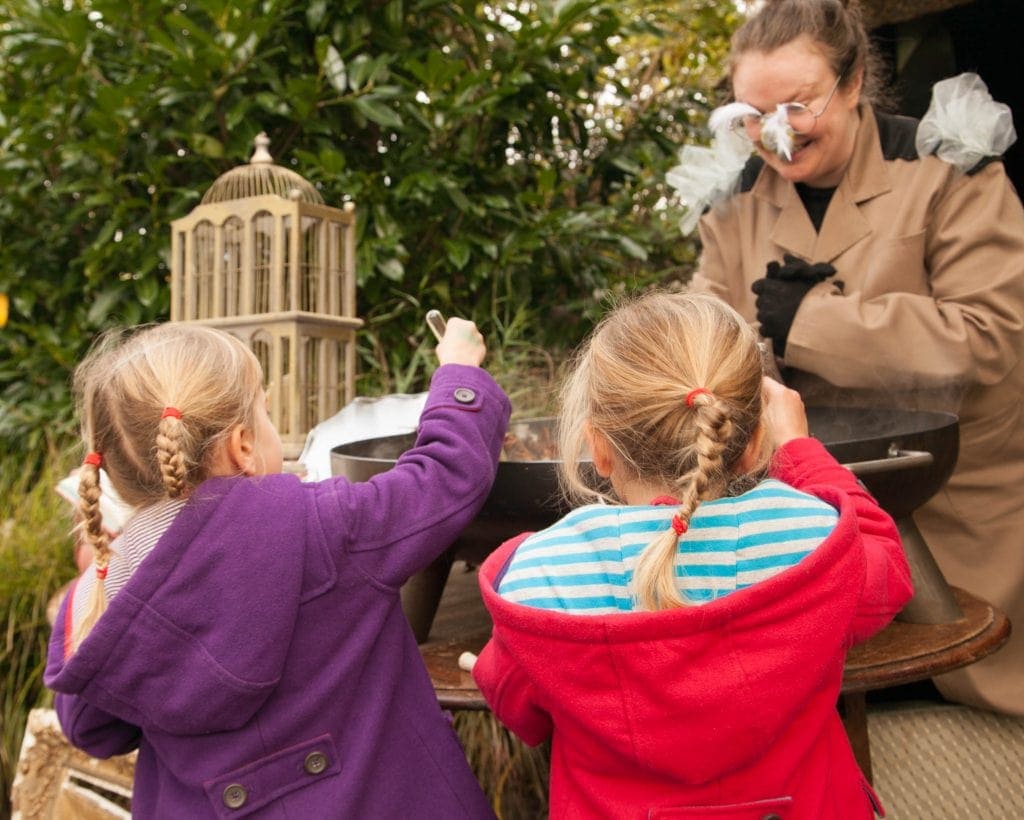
(884,277)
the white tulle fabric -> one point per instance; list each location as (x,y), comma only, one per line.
(726,116)
(708,174)
(963,124)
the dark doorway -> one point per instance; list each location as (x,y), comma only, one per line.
(984,37)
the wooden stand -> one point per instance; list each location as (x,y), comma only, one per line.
(55,781)
(907,652)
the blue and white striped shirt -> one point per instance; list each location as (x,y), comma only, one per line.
(584,564)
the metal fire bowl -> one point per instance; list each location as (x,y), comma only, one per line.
(903,457)
(524,498)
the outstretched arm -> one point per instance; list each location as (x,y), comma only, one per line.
(399,521)
(805,464)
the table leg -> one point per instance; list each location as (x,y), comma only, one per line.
(855,721)
(933,601)
(421,594)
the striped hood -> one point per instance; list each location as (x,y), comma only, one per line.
(584,564)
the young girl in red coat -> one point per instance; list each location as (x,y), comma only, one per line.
(681,638)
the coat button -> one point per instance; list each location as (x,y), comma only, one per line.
(315,762)
(772,816)
(235,796)
(464,395)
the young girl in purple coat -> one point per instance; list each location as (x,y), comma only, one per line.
(244,632)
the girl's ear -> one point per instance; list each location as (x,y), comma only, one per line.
(239,451)
(752,455)
(600,451)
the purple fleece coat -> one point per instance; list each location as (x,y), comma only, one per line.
(259,654)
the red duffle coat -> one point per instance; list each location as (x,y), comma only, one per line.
(726,709)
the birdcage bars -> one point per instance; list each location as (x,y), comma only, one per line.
(264,258)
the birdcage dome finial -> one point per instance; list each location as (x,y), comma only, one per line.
(259,177)
(262,152)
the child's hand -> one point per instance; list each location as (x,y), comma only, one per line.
(461,344)
(784,416)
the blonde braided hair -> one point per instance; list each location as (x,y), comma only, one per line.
(170,454)
(95,534)
(156,401)
(673,383)
(655,570)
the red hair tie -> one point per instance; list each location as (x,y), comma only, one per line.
(171,412)
(101,573)
(696,392)
(679,525)
(95,459)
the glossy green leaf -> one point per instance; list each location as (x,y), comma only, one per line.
(377,112)
(458,253)
(633,248)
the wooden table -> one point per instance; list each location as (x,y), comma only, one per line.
(900,653)
(905,653)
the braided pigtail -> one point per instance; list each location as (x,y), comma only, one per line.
(655,575)
(96,536)
(170,452)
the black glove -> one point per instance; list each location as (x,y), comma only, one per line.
(795,269)
(780,293)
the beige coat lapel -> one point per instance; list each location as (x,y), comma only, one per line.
(844,224)
(792,230)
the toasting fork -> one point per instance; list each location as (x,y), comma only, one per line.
(436,323)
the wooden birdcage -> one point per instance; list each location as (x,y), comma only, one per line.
(263,258)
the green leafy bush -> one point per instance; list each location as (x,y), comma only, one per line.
(506,160)
(36,560)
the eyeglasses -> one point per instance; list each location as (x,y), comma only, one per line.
(799,117)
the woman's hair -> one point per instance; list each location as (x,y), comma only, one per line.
(835,26)
(673,382)
(153,403)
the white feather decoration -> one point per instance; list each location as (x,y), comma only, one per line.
(726,116)
(776,133)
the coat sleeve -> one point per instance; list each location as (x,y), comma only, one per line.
(92,730)
(807,465)
(510,693)
(399,521)
(87,727)
(967,330)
